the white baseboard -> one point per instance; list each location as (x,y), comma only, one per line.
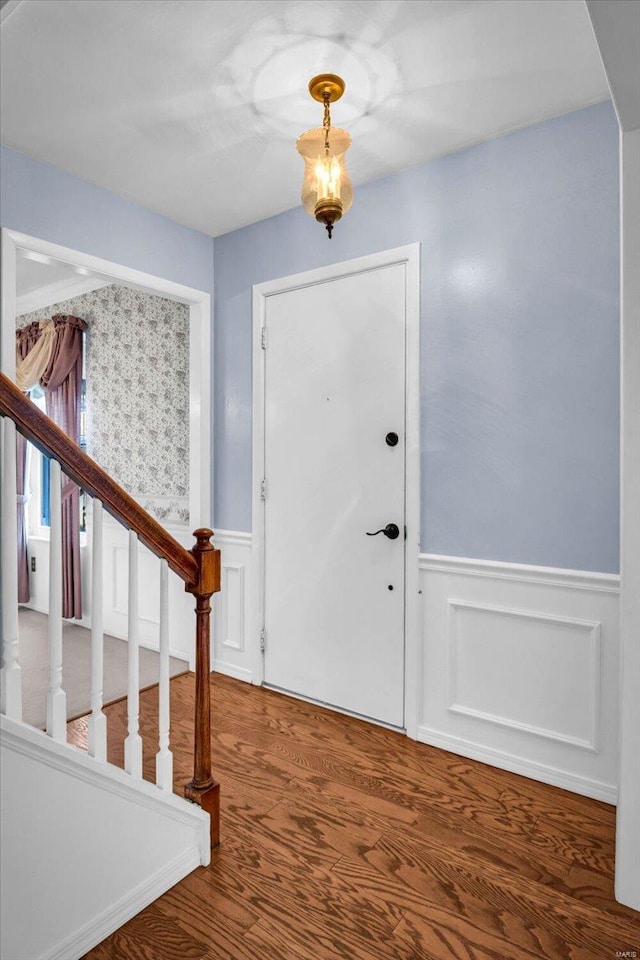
(78,944)
(608,793)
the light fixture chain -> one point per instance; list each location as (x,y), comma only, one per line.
(326,122)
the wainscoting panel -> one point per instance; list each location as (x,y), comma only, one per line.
(520,669)
(523,670)
(233,653)
(115,585)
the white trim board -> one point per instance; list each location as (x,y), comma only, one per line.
(408,255)
(200,345)
(525,768)
(521,572)
(628,823)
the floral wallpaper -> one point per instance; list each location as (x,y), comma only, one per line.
(137,372)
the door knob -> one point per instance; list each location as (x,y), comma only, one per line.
(391,531)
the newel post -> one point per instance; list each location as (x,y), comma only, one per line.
(203,789)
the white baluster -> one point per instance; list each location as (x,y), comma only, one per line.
(97,726)
(11,673)
(164,757)
(56,697)
(133,743)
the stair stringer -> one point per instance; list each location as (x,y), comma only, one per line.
(84,846)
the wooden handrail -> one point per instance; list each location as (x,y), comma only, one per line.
(199,568)
(52,441)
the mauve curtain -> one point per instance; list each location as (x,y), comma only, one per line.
(62,381)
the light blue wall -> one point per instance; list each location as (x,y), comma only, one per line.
(519,327)
(39,200)
(43,202)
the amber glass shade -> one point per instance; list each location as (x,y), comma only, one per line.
(325,175)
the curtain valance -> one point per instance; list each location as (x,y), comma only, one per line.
(46,351)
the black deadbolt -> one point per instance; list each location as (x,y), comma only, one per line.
(391,531)
(391,439)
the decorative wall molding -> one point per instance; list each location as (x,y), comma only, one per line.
(522,573)
(115,591)
(520,669)
(233,652)
(233,620)
(590,702)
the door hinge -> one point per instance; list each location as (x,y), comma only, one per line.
(263,338)
(263,489)
(263,637)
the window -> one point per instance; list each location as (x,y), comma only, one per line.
(40,515)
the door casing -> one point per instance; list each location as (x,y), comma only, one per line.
(408,255)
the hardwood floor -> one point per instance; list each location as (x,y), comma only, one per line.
(345,841)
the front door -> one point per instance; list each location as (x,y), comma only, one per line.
(334,464)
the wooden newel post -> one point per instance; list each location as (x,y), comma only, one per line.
(203,789)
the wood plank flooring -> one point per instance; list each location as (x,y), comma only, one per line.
(345,841)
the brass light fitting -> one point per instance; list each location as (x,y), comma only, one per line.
(327,193)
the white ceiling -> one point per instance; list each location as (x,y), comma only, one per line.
(192,107)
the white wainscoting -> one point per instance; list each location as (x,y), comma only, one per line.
(519,664)
(115,586)
(233,651)
(520,669)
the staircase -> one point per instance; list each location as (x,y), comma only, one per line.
(86,845)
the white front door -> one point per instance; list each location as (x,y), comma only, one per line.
(334,403)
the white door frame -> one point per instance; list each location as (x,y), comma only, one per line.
(408,255)
(200,342)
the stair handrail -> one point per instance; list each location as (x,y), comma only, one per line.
(199,568)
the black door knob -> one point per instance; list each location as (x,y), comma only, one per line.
(391,439)
(391,531)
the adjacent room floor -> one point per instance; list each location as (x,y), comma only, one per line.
(76,667)
(345,841)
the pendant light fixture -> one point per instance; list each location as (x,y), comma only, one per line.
(327,193)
